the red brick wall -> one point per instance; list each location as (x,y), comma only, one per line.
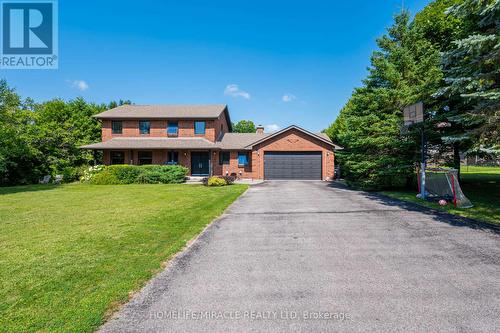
(233,168)
(159,129)
(130,128)
(221,125)
(292,140)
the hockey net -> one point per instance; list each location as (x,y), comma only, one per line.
(443,184)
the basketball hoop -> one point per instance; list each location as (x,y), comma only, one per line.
(413,114)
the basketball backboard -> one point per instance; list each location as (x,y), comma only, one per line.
(413,114)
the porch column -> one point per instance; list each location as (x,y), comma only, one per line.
(131,156)
(209,163)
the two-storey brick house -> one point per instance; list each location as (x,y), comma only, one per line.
(200,138)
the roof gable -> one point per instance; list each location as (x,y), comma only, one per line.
(322,138)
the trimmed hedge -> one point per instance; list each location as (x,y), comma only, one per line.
(105,177)
(134,174)
(126,174)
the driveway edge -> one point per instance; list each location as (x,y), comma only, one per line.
(448,217)
(473,223)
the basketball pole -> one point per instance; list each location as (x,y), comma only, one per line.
(423,163)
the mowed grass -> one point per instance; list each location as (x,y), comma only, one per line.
(480,184)
(71,254)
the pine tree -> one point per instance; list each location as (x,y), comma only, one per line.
(405,70)
(472,70)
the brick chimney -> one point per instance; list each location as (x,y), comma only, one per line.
(260,129)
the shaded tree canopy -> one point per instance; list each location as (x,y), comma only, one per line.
(37,139)
(448,58)
(244,126)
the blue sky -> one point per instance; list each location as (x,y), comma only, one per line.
(274,62)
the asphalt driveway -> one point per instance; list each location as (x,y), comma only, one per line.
(306,256)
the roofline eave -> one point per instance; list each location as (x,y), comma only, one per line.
(299,129)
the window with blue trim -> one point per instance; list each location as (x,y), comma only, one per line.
(243,158)
(144,127)
(199,127)
(173,128)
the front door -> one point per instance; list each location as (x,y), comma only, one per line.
(200,163)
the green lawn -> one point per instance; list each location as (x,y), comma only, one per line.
(70,254)
(480,184)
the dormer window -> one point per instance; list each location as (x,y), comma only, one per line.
(116,127)
(199,127)
(144,127)
(173,128)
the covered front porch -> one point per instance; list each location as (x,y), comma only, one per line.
(197,154)
(199,162)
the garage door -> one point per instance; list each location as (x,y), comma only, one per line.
(292,165)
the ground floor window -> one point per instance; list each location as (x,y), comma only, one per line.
(242,158)
(224,157)
(145,157)
(173,157)
(117,157)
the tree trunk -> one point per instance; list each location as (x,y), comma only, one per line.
(456,158)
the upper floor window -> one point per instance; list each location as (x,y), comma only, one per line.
(224,157)
(145,157)
(116,127)
(199,127)
(144,127)
(173,128)
(242,158)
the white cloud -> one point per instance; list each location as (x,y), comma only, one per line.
(288,98)
(272,128)
(235,91)
(79,84)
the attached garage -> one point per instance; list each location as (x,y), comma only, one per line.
(292,165)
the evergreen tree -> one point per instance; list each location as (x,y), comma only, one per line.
(472,70)
(405,70)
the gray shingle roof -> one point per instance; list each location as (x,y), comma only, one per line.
(246,140)
(163,111)
(324,136)
(152,143)
(239,140)
(320,136)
